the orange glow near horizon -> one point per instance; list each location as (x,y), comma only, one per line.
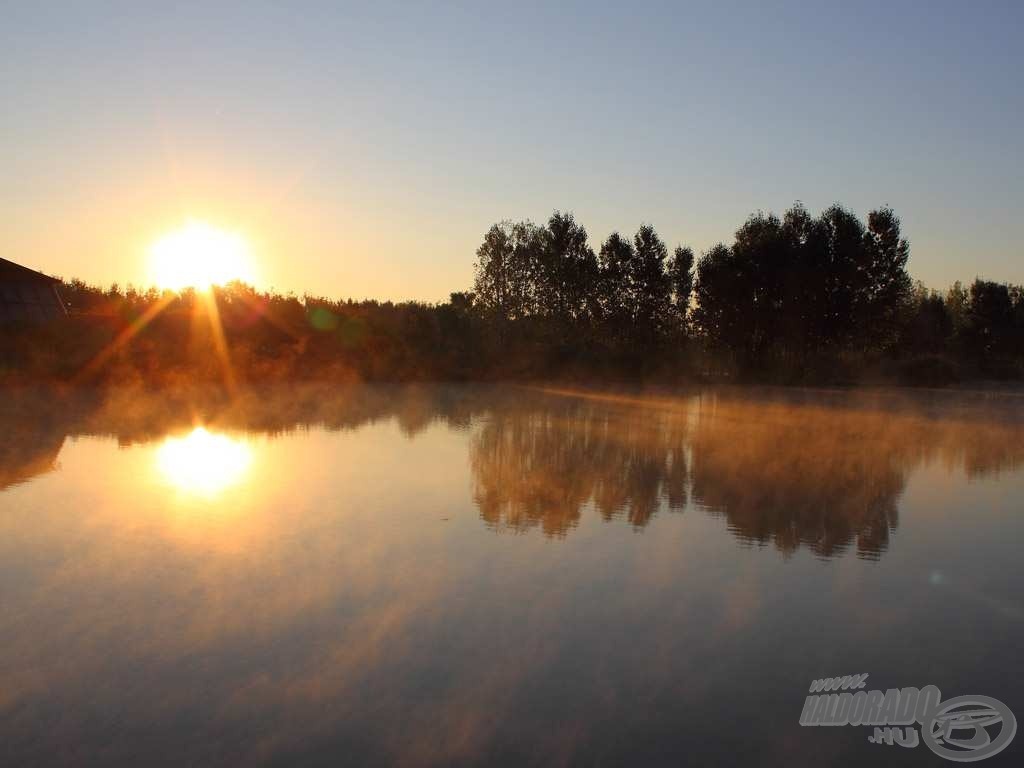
(203,463)
(199,255)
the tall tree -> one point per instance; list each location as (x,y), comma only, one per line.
(723,296)
(567,273)
(842,265)
(990,320)
(616,292)
(886,284)
(680,274)
(652,288)
(929,326)
(505,270)
(764,256)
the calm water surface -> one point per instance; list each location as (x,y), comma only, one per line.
(498,576)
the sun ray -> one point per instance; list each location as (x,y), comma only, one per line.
(219,341)
(126,335)
(261,310)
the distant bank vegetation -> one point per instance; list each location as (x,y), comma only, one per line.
(793,299)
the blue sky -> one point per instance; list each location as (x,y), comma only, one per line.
(365,149)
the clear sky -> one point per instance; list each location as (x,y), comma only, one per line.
(363,150)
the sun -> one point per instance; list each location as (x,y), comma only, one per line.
(199,256)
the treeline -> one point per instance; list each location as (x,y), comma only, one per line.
(793,299)
(240,335)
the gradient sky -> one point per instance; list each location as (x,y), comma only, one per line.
(365,149)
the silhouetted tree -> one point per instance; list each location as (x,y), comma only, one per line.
(841,266)
(616,290)
(989,326)
(680,274)
(567,271)
(929,327)
(794,286)
(886,284)
(506,269)
(652,287)
(723,293)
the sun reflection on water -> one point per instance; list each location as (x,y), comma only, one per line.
(202,462)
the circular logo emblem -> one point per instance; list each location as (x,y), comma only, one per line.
(968,728)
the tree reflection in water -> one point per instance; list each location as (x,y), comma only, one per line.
(809,473)
(792,469)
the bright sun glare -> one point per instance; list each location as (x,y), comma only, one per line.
(202,462)
(199,256)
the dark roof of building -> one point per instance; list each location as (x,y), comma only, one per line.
(11,272)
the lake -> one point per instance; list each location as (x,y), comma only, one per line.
(492,575)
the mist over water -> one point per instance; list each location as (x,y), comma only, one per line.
(496,575)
